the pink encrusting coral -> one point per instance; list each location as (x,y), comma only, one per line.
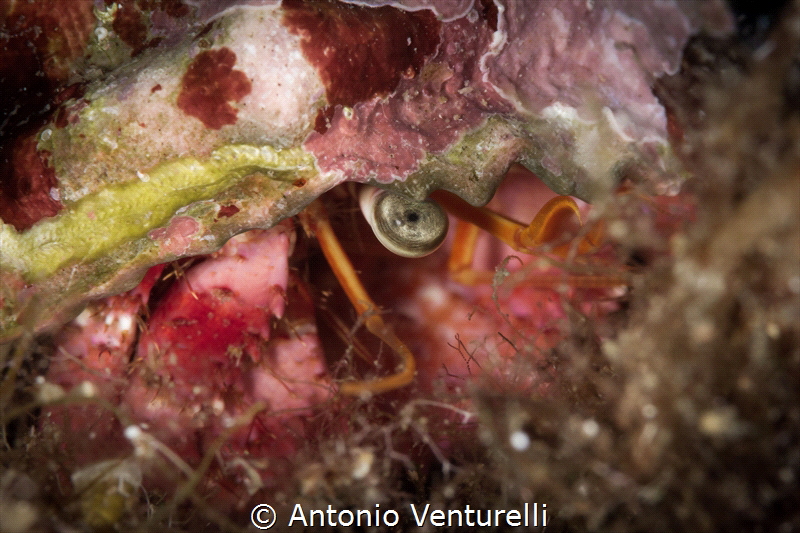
(250,96)
(577,65)
(204,358)
(220,311)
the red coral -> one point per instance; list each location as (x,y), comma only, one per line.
(224,305)
(209,84)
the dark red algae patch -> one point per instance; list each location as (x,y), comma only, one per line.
(134,21)
(227,211)
(26,182)
(69,114)
(209,84)
(487,10)
(42,39)
(130,24)
(360,52)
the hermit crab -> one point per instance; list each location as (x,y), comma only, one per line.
(414,229)
(174,344)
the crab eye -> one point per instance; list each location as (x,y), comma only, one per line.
(404,226)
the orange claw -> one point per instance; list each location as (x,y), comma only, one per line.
(315,221)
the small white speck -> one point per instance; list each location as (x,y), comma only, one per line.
(86,389)
(46,133)
(618,291)
(703,331)
(617,123)
(773,330)
(110,142)
(590,428)
(718,422)
(649,411)
(433,295)
(519,440)
(125,323)
(133,432)
(218,406)
(142,176)
(228,421)
(55,194)
(101,33)
(617,229)
(362,464)
(611,349)
(83,318)
(48,392)
(109,319)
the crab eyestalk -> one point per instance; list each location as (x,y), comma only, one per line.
(406,227)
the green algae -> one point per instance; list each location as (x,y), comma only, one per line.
(98,223)
(472,167)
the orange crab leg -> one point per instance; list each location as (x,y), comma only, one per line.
(461,254)
(550,223)
(315,221)
(555,221)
